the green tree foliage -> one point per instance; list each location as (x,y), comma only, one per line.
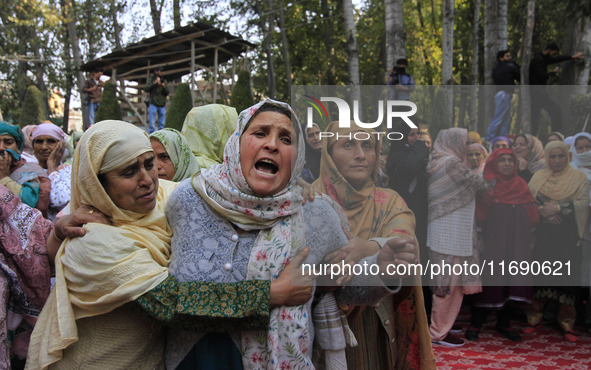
(33,110)
(109,106)
(241,94)
(180,105)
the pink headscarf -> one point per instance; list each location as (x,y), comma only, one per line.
(48,129)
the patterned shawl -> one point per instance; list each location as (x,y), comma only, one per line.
(508,189)
(381,213)
(281,236)
(207,130)
(184,161)
(568,185)
(24,273)
(452,185)
(110,265)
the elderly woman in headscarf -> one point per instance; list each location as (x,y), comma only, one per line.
(311,169)
(476,157)
(173,156)
(508,212)
(106,278)
(24,275)
(395,332)
(50,149)
(207,129)
(530,155)
(451,235)
(562,195)
(27,180)
(245,217)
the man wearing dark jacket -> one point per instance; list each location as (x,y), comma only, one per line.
(158,91)
(504,75)
(538,75)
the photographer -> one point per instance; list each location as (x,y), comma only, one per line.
(403,82)
(158,91)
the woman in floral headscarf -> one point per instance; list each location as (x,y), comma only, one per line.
(562,195)
(393,334)
(244,219)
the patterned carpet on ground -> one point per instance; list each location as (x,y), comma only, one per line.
(546,349)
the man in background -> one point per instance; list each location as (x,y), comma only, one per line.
(403,82)
(504,75)
(93,93)
(158,91)
(538,75)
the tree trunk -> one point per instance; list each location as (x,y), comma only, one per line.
(503,8)
(425,56)
(491,34)
(395,40)
(447,49)
(473,113)
(525,59)
(176,13)
(116,29)
(155,11)
(267,34)
(350,34)
(329,44)
(285,49)
(69,17)
(582,72)
(447,43)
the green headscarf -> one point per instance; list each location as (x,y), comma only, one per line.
(8,129)
(207,130)
(177,147)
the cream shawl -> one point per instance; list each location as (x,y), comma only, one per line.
(568,185)
(110,265)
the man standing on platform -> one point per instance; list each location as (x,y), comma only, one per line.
(158,91)
(504,76)
(538,75)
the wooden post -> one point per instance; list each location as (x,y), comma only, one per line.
(215,75)
(233,71)
(144,94)
(192,85)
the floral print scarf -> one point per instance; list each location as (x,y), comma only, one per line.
(288,340)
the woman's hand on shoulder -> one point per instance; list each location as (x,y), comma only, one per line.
(308,192)
(72,225)
(292,287)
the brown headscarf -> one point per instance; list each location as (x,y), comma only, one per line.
(381,213)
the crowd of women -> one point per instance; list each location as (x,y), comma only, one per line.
(182,250)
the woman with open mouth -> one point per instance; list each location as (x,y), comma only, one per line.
(244,219)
